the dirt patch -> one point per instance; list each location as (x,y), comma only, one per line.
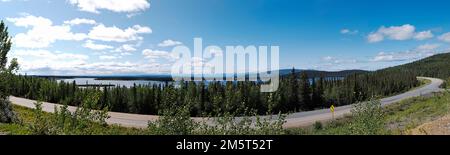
(437,127)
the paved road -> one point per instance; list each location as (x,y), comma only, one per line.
(293,120)
(308,118)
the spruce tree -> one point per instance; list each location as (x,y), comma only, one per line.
(305,92)
(6,113)
(317,96)
(293,98)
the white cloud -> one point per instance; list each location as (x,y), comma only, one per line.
(335,61)
(375,37)
(126,48)
(428,47)
(49,55)
(156,54)
(79,21)
(91,45)
(103,33)
(107,57)
(445,37)
(330,63)
(328,58)
(131,15)
(42,32)
(419,52)
(120,6)
(12,0)
(404,32)
(104,68)
(30,21)
(350,32)
(169,42)
(423,35)
(44,62)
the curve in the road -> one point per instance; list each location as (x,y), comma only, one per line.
(292,120)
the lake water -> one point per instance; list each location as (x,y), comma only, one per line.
(126,83)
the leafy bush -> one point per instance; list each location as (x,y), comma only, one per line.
(318,126)
(41,125)
(256,125)
(368,119)
(177,121)
(7,115)
(84,121)
(174,122)
(446,84)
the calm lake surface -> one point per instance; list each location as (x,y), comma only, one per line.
(126,83)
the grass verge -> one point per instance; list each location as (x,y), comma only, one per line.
(398,119)
(27,118)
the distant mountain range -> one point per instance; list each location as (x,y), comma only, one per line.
(434,66)
(162,77)
(317,73)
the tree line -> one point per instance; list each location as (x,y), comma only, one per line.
(437,66)
(6,73)
(297,92)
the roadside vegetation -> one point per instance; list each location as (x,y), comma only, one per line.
(446,84)
(396,119)
(7,115)
(367,118)
(88,122)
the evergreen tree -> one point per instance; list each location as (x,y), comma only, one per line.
(318,92)
(6,113)
(293,93)
(305,92)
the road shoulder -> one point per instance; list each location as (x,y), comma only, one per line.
(437,127)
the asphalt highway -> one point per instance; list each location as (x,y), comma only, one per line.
(293,120)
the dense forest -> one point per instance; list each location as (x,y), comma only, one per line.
(435,66)
(297,92)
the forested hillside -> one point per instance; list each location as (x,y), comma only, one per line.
(317,73)
(435,66)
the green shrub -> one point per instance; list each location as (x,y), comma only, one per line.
(41,124)
(318,126)
(447,84)
(84,121)
(256,125)
(177,121)
(368,119)
(7,115)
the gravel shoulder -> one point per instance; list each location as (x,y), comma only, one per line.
(437,127)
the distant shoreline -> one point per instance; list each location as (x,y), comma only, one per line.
(168,78)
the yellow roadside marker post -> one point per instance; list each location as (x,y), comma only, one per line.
(332,111)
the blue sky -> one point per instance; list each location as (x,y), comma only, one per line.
(135,36)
